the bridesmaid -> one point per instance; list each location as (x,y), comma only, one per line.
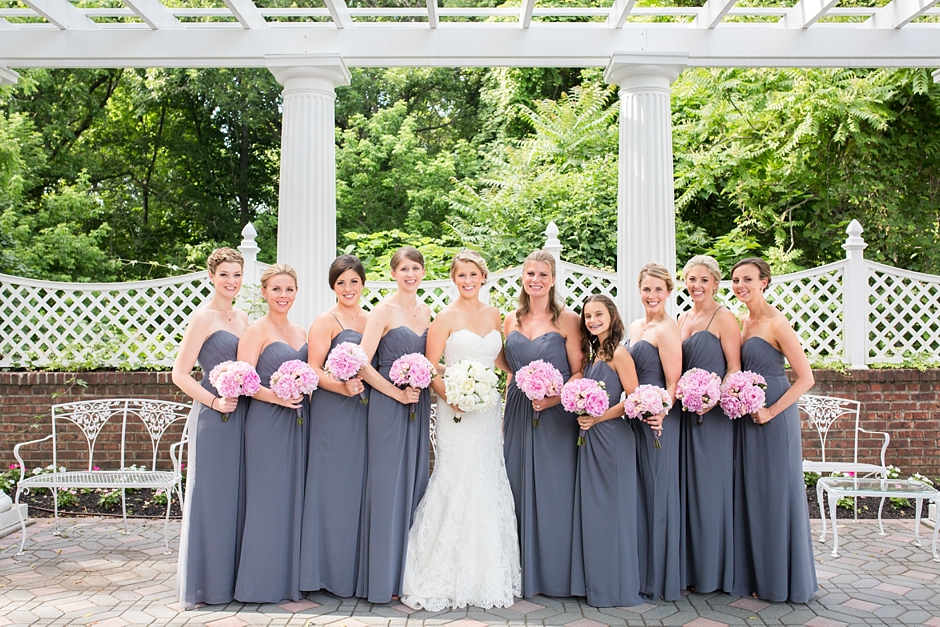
(657,352)
(773,551)
(336,458)
(397,449)
(214,509)
(605,524)
(275,452)
(711,340)
(541,461)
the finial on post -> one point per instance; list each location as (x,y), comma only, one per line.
(854,240)
(552,243)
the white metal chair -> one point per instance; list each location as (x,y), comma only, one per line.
(823,413)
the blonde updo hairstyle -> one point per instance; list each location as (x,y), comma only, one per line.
(707,262)
(555,306)
(223,255)
(469,256)
(656,271)
(275,270)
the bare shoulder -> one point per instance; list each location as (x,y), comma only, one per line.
(622,357)
(726,318)
(510,323)
(569,321)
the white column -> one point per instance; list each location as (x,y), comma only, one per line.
(306,230)
(855,299)
(646,220)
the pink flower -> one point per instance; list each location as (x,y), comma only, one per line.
(345,361)
(14,466)
(585,397)
(699,390)
(537,380)
(294,378)
(645,402)
(743,393)
(95,468)
(415,370)
(235,378)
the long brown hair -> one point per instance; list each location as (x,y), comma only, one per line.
(591,346)
(525,303)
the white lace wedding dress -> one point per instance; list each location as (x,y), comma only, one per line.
(463,548)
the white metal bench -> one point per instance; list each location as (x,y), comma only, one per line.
(91,417)
(825,412)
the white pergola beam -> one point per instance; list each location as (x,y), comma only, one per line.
(5,24)
(805,13)
(525,14)
(340,13)
(8,76)
(62,14)
(247,13)
(936,76)
(712,13)
(899,13)
(432,14)
(154,13)
(619,13)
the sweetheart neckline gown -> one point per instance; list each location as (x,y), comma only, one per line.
(463,548)
(214,508)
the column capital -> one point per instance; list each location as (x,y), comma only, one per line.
(312,69)
(638,70)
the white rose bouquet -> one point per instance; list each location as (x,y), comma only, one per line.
(470,387)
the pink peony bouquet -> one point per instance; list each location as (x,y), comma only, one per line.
(537,380)
(294,378)
(415,370)
(345,361)
(585,397)
(743,393)
(645,402)
(699,390)
(234,378)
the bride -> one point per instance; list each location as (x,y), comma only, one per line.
(463,548)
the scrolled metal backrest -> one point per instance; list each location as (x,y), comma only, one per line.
(157,417)
(824,411)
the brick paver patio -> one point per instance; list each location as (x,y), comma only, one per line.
(96,576)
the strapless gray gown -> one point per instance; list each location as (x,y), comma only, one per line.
(773,551)
(541,463)
(396,478)
(336,470)
(214,511)
(706,481)
(605,555)
(275,460)
(658,494)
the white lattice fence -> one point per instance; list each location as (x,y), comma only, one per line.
(904,313)
(122,325)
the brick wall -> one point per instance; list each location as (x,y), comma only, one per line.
(905,403)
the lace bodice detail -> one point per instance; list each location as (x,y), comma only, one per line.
(464,344)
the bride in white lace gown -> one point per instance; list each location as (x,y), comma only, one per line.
(463,547)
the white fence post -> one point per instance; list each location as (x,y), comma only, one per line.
(553,246)
(855,299)
(250,276)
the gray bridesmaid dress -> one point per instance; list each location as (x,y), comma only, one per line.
(214,510)
(336,469)
(605,524)
(275,459)
(773,551)
(658,492)
(398,469)
(541,463)
(706,481)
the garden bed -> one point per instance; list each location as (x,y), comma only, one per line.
(867,508)
(140,504)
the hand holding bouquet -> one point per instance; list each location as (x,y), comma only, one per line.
(699,390)
(294,378)
(743,393)
(232,379)
(538,380)
(645,402)
(415,370)
(470,387)
(344,362)
(585,397)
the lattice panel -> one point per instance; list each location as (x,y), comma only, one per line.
(435,294)
(581,282)
(904,314)
(115,324)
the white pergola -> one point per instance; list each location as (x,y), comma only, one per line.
(309,51)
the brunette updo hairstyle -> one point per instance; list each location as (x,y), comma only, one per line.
(343,263)
(763,268)
(406,252)
(591,346)
(223,255)
(555,306)
(657,271)
(473,257)
(276,269)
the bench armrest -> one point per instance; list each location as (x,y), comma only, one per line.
(16,453)
(176,452)
(884,446)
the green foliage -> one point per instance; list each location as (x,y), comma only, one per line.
(375,250)
(109,499)
(919,361)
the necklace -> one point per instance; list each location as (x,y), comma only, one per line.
(412,310)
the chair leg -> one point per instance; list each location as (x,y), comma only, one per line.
(19,512)
(166,524)
(124,508)
(55,508)
(881,528)
(920,505)
(822,511)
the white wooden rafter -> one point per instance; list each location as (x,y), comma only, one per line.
(712,13)
(5,25)
(432,14)
(619,13)
(247,13)
(805,13)
(8,76)
(340,13)
(899,13)
(154,14)
(525,14)
(62,14)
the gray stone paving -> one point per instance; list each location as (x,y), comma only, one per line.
(94,575)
